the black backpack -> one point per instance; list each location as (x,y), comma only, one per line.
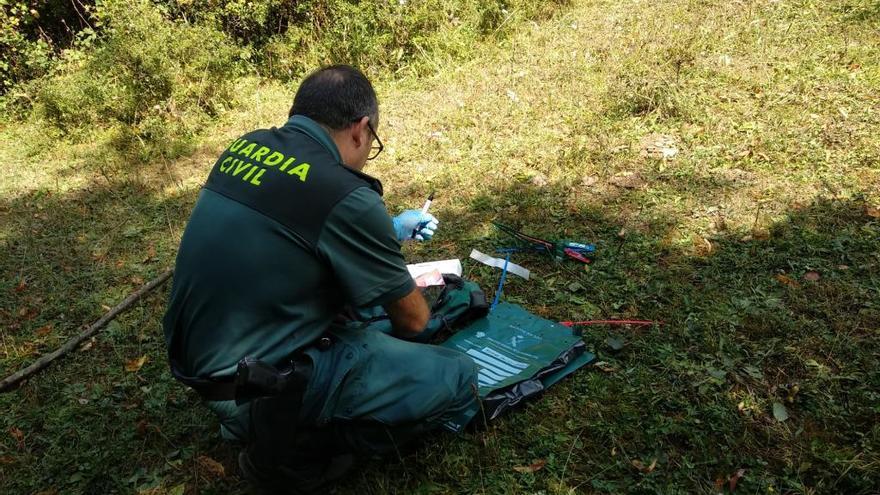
(458,303)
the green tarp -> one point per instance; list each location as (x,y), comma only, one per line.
(519,355)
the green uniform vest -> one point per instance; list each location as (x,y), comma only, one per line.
(295,180)
(281,237)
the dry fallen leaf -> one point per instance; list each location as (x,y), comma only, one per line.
(589,180)
(787,280)
(658,147)
(812,276)
(210,466)
(43,331)
(88,345)
(735,478)
(703,247)
(627,180)
(641,466)
(18,435)
(736,175)
(137,363)
(531,468)
(22,285)
(151,254)
(538,180)
(760,234)
(872,212)
(143,427)
(27,313)
(604,366)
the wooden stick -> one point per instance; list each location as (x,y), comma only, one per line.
(12,380)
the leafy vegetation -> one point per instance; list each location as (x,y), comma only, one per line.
(150,80)
(151,75)
(755,244)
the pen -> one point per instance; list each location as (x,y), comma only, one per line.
(424,210)
(428,202)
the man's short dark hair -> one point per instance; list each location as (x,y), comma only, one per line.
(336,96)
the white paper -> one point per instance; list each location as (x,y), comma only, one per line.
(444,266)
(499,263)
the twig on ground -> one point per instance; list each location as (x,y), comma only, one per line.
(568,458)
(12,380)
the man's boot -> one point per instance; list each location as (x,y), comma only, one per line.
(315,459)
(306,478)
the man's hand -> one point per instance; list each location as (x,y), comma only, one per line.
(424,225)
(408,315)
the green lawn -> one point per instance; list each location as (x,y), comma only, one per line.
(758,246)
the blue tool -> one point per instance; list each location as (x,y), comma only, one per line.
(500,283)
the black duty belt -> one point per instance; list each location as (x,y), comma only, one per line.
(253,378)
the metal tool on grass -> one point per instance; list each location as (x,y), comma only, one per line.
(559,249)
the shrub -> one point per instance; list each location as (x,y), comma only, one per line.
(20,57)
(153,72)
(390,35)
(147,72)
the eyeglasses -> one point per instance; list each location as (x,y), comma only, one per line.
(377,148)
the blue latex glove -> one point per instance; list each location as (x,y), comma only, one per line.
(424,225)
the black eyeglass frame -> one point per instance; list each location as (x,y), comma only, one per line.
(378,141)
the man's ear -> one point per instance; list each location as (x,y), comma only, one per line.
(359,132)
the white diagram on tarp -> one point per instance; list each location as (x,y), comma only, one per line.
(494,366)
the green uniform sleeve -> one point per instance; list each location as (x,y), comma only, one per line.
(359,243)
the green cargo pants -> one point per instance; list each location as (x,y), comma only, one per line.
(370,384)
(369,393)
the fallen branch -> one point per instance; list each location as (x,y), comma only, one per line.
(12,380)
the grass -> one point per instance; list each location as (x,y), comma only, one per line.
(774,109)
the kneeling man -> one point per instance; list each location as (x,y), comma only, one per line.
(287,233)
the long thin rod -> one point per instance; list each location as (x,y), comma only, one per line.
(12,380)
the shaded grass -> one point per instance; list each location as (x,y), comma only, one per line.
(773,180)
(694,394)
